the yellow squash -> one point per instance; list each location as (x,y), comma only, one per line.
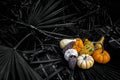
(88,47)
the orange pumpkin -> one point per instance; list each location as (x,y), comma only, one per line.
(101,56)
(78,45)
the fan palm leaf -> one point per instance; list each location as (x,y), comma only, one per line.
(13,66)
(55,19)
(52,14)
(57,25)
(49,8)
(47,14)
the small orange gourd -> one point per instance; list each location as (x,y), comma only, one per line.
(101,56)
(78,45)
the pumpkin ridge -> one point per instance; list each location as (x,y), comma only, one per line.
(86,62)
(90,63)
(105,59)
(100,58)
(78,45)
(81,63)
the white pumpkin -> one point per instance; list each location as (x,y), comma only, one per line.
(69,53)
(85,61)
(64,42)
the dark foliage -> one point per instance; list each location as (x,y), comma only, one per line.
(30,31)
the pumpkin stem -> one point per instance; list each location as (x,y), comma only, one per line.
(102,47)
(85,57)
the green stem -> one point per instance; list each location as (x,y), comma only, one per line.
(85,57)
(22,41)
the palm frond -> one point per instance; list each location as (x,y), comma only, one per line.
(13,66)
(57,25)
(53,74)
(54,13)
(38,11)
(54,20)
(49,8)
(46,14)
(46,61)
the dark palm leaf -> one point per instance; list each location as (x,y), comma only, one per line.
(13,66)
(57,25)
(55,20)
(54,13)
(47,14)
(49,8)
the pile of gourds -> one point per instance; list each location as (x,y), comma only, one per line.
(86,52)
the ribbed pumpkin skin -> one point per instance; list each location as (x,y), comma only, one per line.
(85,61)
(101,57)
(78,45)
